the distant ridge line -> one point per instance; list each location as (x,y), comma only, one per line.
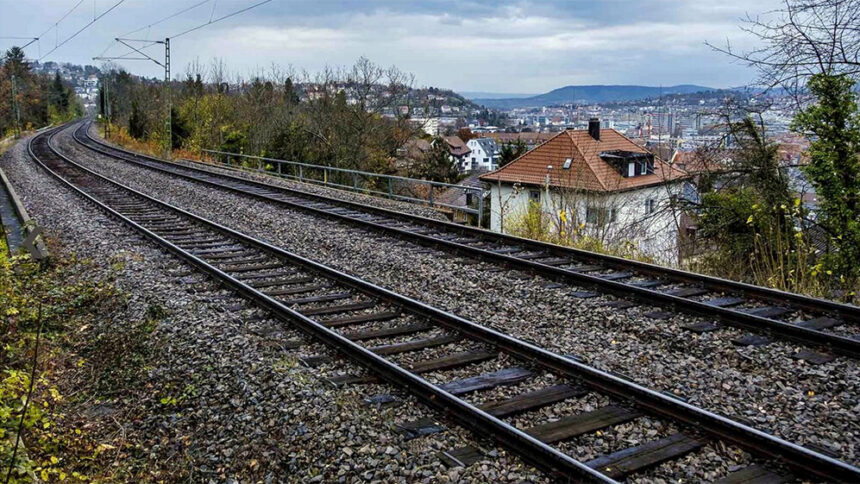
(591,93)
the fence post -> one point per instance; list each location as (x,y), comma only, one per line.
(480,207)
(279,168)
(301,173)
(431,194)
(355,181)
(390,191)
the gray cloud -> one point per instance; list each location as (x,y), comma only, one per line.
(516,46)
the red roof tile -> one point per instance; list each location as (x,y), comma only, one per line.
(587,171)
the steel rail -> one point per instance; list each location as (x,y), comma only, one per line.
(718,284)
(835,342)
(797,457)
(480,422)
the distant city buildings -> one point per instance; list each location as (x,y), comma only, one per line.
(83,79)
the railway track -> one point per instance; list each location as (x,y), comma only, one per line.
(766,313)
(373,327)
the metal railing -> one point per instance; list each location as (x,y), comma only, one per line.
(413,190)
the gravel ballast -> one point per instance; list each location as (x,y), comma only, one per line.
(232,404)
(419,209)
(762,386)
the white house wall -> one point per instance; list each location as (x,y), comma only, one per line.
(655,234)
(475,159)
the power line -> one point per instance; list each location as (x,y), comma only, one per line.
(62,18)
(166,18)
(173,15)
(212,13)
(117,4)
(232,14)
(31,39)
(237,12)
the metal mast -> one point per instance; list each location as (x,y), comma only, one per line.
(166,65)
(167,98)
(15,108)
(106,106)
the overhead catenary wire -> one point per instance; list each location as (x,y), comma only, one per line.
(149,26)
(57,23)
(117,4)
(31,40)
(180,12)
(165,19)
(232,14)
(212,13)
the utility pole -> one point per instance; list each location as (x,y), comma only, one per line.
(167,97)
(107,106)
(15,108)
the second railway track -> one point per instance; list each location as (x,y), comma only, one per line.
(345,312)
(776,314)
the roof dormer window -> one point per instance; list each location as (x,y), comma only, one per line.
(629,163)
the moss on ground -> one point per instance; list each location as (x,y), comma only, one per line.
(90,369)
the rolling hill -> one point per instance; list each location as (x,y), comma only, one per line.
(590,94)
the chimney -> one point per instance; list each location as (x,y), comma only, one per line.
(594,128)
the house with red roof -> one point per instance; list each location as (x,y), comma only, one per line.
(595,183)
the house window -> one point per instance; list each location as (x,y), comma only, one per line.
(486,160)
(650,205)
(534,196)
(646,167)
(599,216)
(473,159)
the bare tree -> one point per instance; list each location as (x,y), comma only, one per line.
(218,72)
(194,69)
(803,38)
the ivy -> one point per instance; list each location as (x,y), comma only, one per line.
(833,125)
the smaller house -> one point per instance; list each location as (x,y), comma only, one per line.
(484,156)
(453,198)
(412,151)
(458,151)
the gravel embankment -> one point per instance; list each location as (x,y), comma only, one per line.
(761,386)
(401,206)
(239,407)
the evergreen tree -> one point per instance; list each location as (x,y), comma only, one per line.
(289,142)
(136,125)
(833,125)
(58,95)
(512,151)
(436,165)
(178,129)
(291,98)
(15,63)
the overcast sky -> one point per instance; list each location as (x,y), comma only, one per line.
(498,46)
